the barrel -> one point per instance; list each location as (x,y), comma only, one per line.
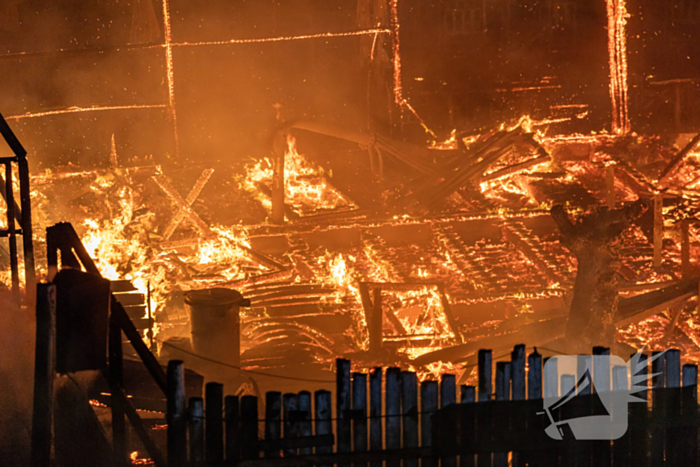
(215,324)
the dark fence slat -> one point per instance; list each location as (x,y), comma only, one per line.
(601,452)
(273,420)
(343,400)
(176,415)
(517,368)
(584,363)
(638,435)
(676,444)
(689,404)
(249,427)
(534,375)
(467,394)
(305,428)
(393,411)
(359,413)
(658,368)
(214,398)
(448,395)
(620,448)
(232,428)
(376,440)
(428,406)
(290,405)
(196,416)
(484,375)
(550,378)
(322,416)
(673,368)
(409,409)
(501,413)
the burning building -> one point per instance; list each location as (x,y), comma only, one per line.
(399,182)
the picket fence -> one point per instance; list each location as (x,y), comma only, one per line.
(388,416)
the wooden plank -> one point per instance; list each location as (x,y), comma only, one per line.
(290,404)
(214,394)
(376,322)
(322,415)
(428,406)
(602,451)
(409,409)
(359,412)
(517,366)
(551,378)
(232,418)
(584,363)
(305,428)
(448,395)
(673,368)
(176,415)
(343,403)
(151,448)
(249,427)
(686,271)
(501,419)
(485,375)
(273,420)
(658,368)
(376,439)
(689,405)
(637,442)
(393,412)
(620,449)
(534,375)
(467,394)
(44,374)
(196,430)
(610,187)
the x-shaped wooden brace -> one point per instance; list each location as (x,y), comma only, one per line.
(185,206)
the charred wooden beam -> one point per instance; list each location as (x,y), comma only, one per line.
(678,158)
(191,198)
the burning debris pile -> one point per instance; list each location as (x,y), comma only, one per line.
(461,253)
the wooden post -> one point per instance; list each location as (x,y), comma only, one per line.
(409,409)
(44,374)
(428,406)
(689,403)
(517,366)
(610,187)
(12,236)
(176,416)
(273,420)
(278,181)
(500,421)
(343,399)
(376,439)
(249,427)
(601,454)
(551,378)
(214,393)
(290,404)
(484,375)
(685,249)
(658,367)
(233,431)
(26,203)
(305,428)
(359,411)
(393,412)
(448,395)
(620,449)
(638,439)
(601,369)
(323,424)
(658,229)
(534,375)
(116,379)
(467,396)
(676,447)
(196,415)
